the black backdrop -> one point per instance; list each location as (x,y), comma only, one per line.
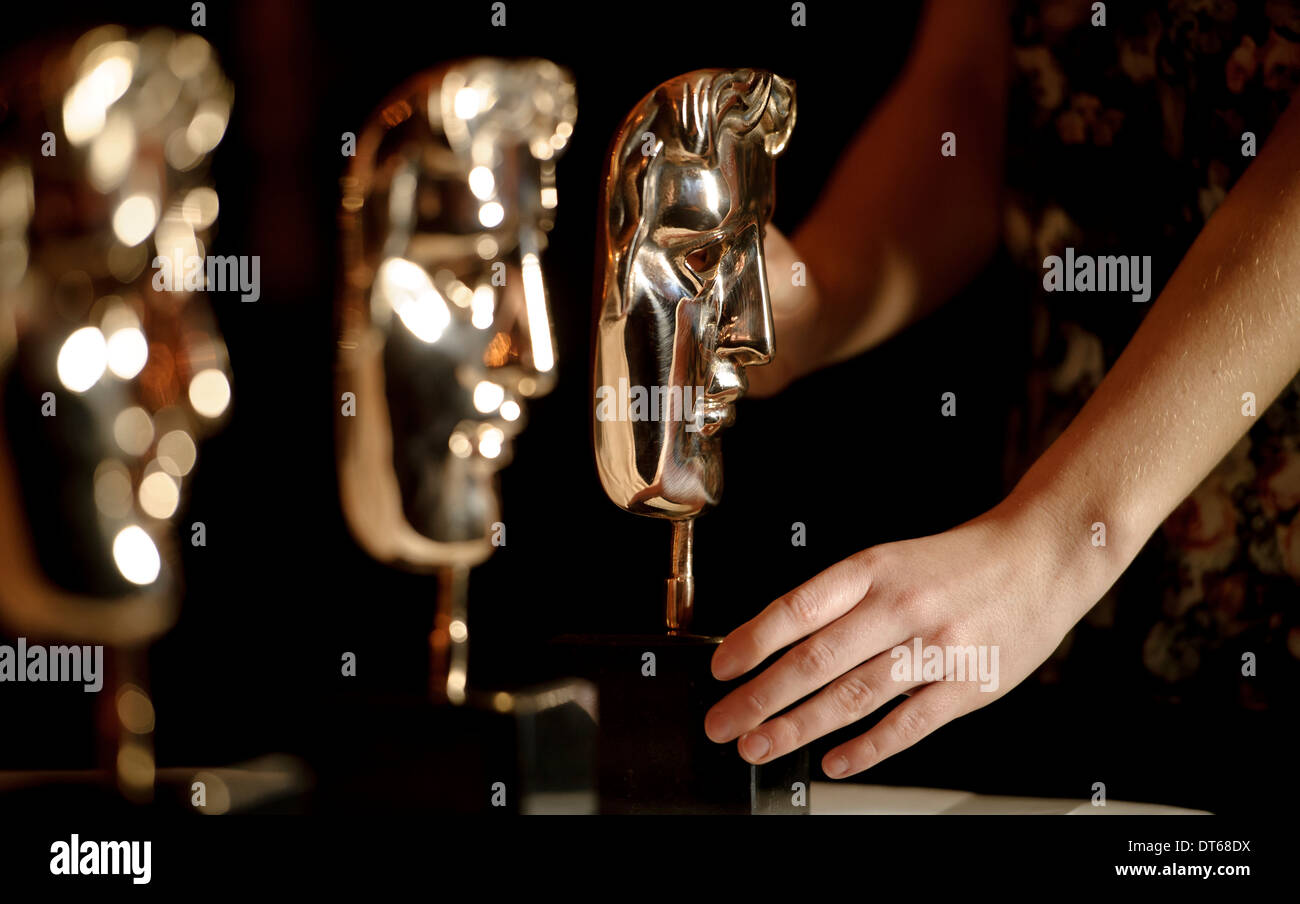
(856,453)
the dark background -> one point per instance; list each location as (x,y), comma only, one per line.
(858,453)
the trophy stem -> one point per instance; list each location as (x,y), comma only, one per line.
(681,585)
(449,641)
(127,723)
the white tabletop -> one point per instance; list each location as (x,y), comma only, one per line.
(849,798)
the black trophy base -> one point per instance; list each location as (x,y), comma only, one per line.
(652,753)
(522,752)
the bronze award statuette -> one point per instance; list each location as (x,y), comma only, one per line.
(445,334)
(683,311)
(110,371)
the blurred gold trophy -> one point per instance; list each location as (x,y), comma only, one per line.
(445,328)
(111,371)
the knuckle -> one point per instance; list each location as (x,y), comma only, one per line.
(790,729)
(802,607)
(943,636)
(855,696)
(814,657)
(865,752)
(755,703)
(908,602)
(868,561)
(910,725)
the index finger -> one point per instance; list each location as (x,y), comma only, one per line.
(810,606)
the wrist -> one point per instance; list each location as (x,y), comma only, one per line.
(1082,541)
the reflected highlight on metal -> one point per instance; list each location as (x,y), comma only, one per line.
(107,377)
(444,324)
(103,172)
(682,292)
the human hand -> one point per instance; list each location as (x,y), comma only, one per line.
(1008,583)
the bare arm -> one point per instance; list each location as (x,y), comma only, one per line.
(1012,582)
(899,228)
(1170,409)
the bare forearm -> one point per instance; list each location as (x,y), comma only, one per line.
(1228,323)
(899,227)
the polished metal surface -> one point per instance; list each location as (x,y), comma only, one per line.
(684,305)
(449,639)
(445,331)
(109,381)
(111,365)
(680,601)
(445,328)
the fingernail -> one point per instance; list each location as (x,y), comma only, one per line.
(754,746)
(725,665)
(717,727)
(837,767)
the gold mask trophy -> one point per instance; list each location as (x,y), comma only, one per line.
(108,380)
(444,335)
(683,309)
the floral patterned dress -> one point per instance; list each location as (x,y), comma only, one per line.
(1123,139)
